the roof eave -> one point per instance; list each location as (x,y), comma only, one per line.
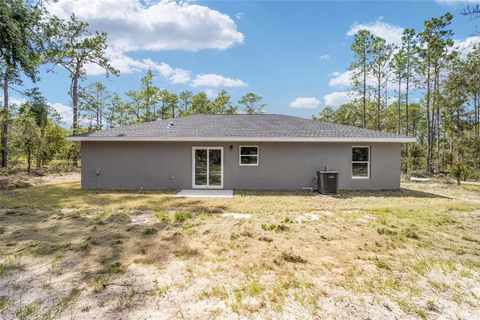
(245,139)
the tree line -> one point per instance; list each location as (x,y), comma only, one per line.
(100,108)
(31,131)
(424,87)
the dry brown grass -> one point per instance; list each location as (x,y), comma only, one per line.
(406,253)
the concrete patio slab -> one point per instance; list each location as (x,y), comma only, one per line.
(203,193)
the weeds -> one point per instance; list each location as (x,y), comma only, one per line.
(116,268)
(4,302)
(126,299)
(150,231)
(162,216)
(142,248)
(10,263)
(158,290)
(382,264)
(290,257)
(186,252)
(275,227)
(181,216)
(28,311)
(55,311)
(99,284)
(217,292)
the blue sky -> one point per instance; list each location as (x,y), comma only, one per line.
(292,53)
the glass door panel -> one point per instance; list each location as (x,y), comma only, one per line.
(215,167)
(201,167)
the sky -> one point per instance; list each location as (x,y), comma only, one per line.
(292,53)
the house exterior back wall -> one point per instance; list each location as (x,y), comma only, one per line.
(282,165)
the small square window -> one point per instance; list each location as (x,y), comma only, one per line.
(248,156)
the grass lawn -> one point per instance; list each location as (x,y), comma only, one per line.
(413,253)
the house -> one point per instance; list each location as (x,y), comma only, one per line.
(262,151)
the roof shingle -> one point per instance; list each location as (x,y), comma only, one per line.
(240,127)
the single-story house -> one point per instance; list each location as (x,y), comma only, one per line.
(261,151)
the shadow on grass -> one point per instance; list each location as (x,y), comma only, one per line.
(343,194)
(400,193)
(70,195)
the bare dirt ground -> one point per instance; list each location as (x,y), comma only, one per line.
(408,254)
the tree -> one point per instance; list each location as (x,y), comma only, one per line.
(473,80)
(251,103)
(185,100)
(21,43)
(381,54)
(362,48)
(222,104)
(93,101)
(145,101)
(199,104)
(72,47)
(118,112)
(169,105)
(27,134)
(456,94)
(37,107)
(434,42)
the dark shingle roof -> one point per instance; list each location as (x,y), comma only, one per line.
(240,127)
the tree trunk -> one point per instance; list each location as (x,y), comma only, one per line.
(29,160)
(41,155)
(399,103)
(432,119)
(364,89)
(437,80)
(74,90)
(476,108)
(429,129)
(407,131)
(5,120)
(379,97)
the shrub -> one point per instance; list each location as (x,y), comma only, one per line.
(116,268)
(180,216)
(162,216)
(150,231)
(290,257)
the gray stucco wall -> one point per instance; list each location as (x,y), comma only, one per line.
(150,165)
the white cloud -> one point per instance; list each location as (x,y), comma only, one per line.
(211,94)
(324,57)
(465,46)
(304,103)
(174,75)
(338,98)
(134,25)
(340,79)
(128,65)
(389,32)
(216,80)
(65,111)
(165,25)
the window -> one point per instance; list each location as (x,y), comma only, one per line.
(361,162)
(248,156)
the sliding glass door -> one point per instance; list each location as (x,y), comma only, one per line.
(207,167)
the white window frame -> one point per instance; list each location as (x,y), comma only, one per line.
(367,162)
(251,155)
